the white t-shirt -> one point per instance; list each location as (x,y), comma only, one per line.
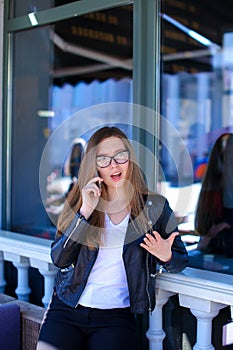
(107,286)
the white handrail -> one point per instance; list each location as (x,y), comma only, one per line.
(25,245)
(203,292)
(25,251)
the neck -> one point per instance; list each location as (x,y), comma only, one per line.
(117,201)
(115,194)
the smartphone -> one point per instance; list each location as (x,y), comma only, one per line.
(98,183)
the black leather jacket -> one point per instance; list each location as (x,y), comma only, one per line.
(75,260)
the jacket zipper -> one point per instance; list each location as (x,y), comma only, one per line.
(148,280)
(148,275)
(147,264)
(75,227)
(147,260)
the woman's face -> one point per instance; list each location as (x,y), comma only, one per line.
(114,174)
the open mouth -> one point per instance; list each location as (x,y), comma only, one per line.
(116,176)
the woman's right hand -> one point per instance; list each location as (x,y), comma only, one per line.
(90,196)
(212,233)
(215,229)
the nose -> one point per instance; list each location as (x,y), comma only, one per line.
(113,163)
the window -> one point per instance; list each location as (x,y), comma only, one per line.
(58,70)
(196,97)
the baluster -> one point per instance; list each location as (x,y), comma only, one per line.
(204,311)
(155,333)
(49,278)
(204,329)
(23,290)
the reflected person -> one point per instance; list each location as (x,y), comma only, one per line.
(214,213)
(55,202)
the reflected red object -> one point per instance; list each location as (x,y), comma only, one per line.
(200,171)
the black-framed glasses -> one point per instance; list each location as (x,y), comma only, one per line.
(121,157)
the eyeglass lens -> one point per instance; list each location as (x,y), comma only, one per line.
(120,158)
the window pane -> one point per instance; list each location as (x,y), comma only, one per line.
(197,90)
(52,81)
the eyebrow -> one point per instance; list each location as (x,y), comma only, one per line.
(108,155)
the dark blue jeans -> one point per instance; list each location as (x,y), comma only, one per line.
(85,328)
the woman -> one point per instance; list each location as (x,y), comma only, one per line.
(214,214)
(111,235)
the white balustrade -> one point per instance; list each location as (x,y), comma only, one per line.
(203,292)
(25,251)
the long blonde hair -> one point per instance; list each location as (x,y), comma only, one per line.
(88,170)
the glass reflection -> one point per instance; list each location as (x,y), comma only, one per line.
(214,212)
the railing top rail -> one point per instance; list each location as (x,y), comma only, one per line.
(203,284)
(25,245)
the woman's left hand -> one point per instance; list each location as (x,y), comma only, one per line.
(159,247)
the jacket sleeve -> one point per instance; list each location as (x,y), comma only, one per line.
(65,249)
(165,225)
